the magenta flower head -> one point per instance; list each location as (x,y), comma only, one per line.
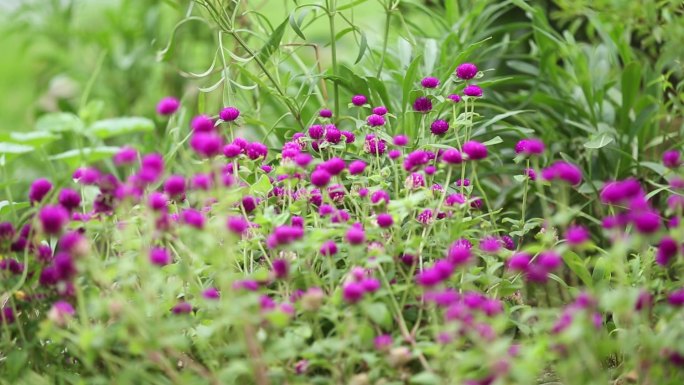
(159,256)
(667,249)
(202,123)
(168,106)
(359,100)
(576,235)
(69,199)
(459,253)
(429,82)
(352,292)
(519,261)
(325,113)
(229,114)
(549,260)
(175,186)
(676,298)
(86,175)
(53,219)
(400,140)
(7,315)
(231,150)
(564,171)
(357,167)
(374,145)
(126,155)
(193,218)
(152,167)
(206,144)
(281,268)
(157,201)
(490,244)
(349,136)
(39,189)
(320,178)
(316,131)
(61,312)
(529,147)
(385,220)
(182,307)
(529,172)
(672,159)
(211,293)
(439,127)
(646,222)
(237,225)
(329,248)
(475,150)
(376,120)
(422,104)
(380,197)
(334,165)
(256,150)
(455,98)
(383,342)
(355,235)
(466,71)
(332,134)
(380,110)
(473,91)
(394,154)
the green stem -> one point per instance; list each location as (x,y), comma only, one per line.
(388,18)
(332,10)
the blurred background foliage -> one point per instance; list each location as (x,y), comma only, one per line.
(599,80)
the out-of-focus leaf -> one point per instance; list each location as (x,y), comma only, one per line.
(599,141)
(86,155)
(119,126)
(59,122)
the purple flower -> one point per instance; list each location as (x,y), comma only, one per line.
(229,114)
(281,268)
(167,106)
(249,203)
(466,71)
(564,171)
(316,131)
(86,175)
(384,220)
(211,293)
(519,261)
(472,90)
(394,154)
(452,156)
(355,235)
(159,256)
(429,82)
(332,134)
(380,110)
(359,100)
(61,312)
(646,222)
(380,196)
(576,235)
(69,199)
(382,342)
(126,155)
(334,165)
(202,123)
(182,307)
(39,189)
(375,120)
(193,218)
(454,98)
(325,113)
(352,292)
(459,253)
(676,298)
(206,144)
(508,242)
(157,201)
(151,168)
(439,127)
(374,145)
(349,136)
(175,186)
(672,159)
(256,150)
(320,178)
(490,244)
(667,249)
(529,147)
(301,366)
(549,260)
(422,104)
(53,219)
(530,174)
(237,225)
(328,248)
(357,167)
(400,140)
(7,315)
(475,150)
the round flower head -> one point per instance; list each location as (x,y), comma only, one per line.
(159,256)
(316,131)
(672,159)
(519,261)
(429,82)
(303,159)
(380,110)
(357,167)
(167,106)
(328,248)
(475,150)
(490,244)
(193,218)
(229,114)
(7,315)
(352,292)
(211,293)
(473,91)
(256,150)
(231,150)
(355,235)
(676,298)
(400,140)
(422,104)
(564,171)
(39,189)
(667,249)
(249,203)
(157,201)
(333,135)
(86,175)
(576,235)
(237,225)
(455,98)
(466,71)
(530,174)
(69,199)
(359,100)
(529,147)
(385,220)
(320,178)
(182,307)
(349,136)
(126,155)
(394,154)
(175,186)
(325,113)
(439,127)
(53,219)
(373,145)
(152,167)
(202,123)
(281,268)
(646,222)
(376,120)
(206,144)
(61,312)
(459,253)
(382,342)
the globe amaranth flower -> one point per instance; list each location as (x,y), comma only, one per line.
(352,292)
(455,98)
(237,225)
(328,248)
(429,82)
(646,222)
(400,140)
(349,136)
(256,150)
(508,242)
(202,123)
(86,175)
(490,244)
(333,135)
(69,199)
(53,219)
(519,261)
(563,171)
(334,165)
(384,220)
(193,218)
(459,253)
(383,342)
(472,90)
(211,293)
(672,159)
(175,186)
(422,104)
(325,113)
(182,307)
(530,173)
(439,127)
(355,235)
(576,235)
(357,167)
(452,156)
(229,114)
(249,203)
(320,178)
(61,312)
(374,145)
(466,71)
(206,144)
(39,189)
(375,120)
(167,105)
(475,150)
(359,100)
(126,155)
(394,154)
(380,110)
(620,191)
(281,268)
(667,249)
(529,147)
(159,256)
(676,298)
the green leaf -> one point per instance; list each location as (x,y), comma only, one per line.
(362,47)
(273,42)
(493,141)
(499,118)
(426,378)
(295,26)
(14,148)
(379,313)
(577,266)
(657,167)
(86,155)
(262,186)
(410,80)
(33,138)
(59,122)
(119,126)
(599,141)
(631,80)
(6,206)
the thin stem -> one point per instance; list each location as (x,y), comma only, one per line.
(388,19)
(332,10)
